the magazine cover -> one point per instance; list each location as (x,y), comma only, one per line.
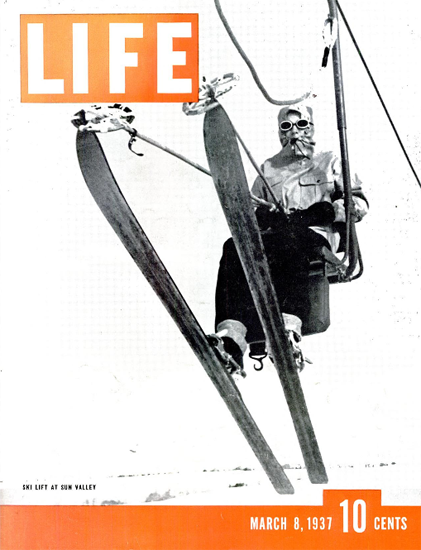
(210,274)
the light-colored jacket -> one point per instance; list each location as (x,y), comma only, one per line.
(299,184)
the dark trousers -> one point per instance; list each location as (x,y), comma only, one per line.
(289,254)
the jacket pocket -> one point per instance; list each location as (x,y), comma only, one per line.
(314,189)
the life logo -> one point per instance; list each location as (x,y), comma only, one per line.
(109,57)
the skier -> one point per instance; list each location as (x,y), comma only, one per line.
(308,189)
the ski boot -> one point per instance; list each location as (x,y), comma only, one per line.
(230,345)
(293,328)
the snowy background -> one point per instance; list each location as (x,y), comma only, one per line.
(97,384)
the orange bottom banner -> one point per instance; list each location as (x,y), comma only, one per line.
(348,519)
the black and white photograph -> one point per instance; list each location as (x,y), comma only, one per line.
(216,302)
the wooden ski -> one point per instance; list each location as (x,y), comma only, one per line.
(107,194)
(231,184)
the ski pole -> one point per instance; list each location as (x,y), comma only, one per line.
(135,135)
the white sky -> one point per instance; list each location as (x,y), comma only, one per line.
(92,366)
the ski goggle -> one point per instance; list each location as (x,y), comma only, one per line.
(301,124)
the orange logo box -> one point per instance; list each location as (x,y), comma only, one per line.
(109,58)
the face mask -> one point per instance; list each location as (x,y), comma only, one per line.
(296,131)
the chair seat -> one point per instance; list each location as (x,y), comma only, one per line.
(325,263)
